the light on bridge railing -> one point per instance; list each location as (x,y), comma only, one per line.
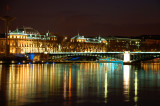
(45,52)
(19,63)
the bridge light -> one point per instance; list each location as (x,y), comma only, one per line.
(126,56)
(45,52)
(12,61)
(19,63)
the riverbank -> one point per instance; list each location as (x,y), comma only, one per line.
(23,60)
(51,62)
(9,59)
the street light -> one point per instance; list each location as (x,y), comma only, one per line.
(7,20)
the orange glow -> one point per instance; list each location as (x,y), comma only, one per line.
(7,7)
(65,83)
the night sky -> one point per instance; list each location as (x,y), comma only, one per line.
(88,17)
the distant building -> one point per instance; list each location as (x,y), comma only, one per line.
(150,42)
(123,44)
(82,39)
(78,38)
(28,40)
(81,44)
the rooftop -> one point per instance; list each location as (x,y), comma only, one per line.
(26,30)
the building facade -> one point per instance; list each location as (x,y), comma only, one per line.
(81,44)
(123,44)
(150,43)
(29,40)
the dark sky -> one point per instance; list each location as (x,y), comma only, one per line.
(88,17)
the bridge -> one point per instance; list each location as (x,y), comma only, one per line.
(126,56)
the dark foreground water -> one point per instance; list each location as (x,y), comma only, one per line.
(81,84)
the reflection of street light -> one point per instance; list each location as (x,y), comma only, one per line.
(7,20)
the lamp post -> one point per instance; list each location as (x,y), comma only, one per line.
(7,20)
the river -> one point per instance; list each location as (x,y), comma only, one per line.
(79,84)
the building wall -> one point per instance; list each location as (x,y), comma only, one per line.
(22,44)
(83,47)
(123,45)
(150,45)
(2,45)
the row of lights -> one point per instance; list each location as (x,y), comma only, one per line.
(19,63)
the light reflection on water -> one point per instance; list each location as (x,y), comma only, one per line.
(83,83)
(126,78)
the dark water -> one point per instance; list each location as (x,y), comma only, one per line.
(81,84)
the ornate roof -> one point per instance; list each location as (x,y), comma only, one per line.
(26,30)
(78,37)
(90,40)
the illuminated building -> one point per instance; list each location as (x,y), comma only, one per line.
(150,43)
(79,38)
(81,44)
(29,40)
(123,44)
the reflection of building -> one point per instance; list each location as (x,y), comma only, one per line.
(29,40)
